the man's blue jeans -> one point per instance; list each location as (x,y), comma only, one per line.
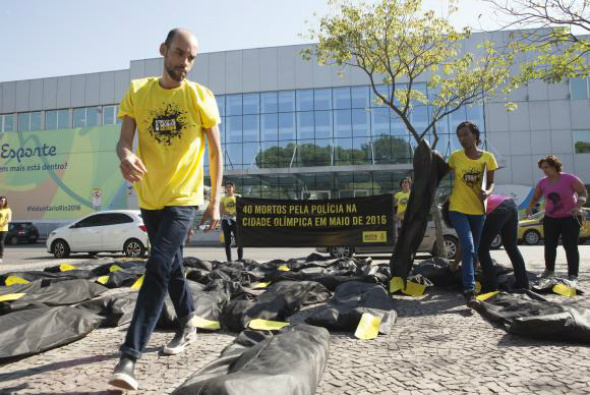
(468,229)
(164,274)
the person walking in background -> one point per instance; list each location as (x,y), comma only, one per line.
(466,209)
(501,219)
(564,194)
(5,218)
(174,119)
(401,202)
(228,222)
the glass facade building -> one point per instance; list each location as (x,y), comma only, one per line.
(333,130)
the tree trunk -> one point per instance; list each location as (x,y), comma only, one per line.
(438,230)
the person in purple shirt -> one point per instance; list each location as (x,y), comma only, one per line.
(501,219)
(564,194)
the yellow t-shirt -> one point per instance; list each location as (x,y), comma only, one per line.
(170,125)
(401,201)
(5,216)
(466,195)
(229,205)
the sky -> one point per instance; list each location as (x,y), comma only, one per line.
(47,38)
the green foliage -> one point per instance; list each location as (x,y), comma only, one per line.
(552,50)
(582,147)
(397,44)
(385,149)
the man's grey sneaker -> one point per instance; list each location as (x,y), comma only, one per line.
(123,376)
(548,274)
(187,335)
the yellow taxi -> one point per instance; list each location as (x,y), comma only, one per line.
(530,231)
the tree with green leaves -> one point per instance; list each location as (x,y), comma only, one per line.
(556,37)
(400,45)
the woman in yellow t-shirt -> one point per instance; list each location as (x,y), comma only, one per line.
(401,201)
(472,168)
(5,218)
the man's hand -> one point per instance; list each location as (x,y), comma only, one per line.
(212,215)
(132,168)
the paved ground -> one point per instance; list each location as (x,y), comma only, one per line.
(437,347)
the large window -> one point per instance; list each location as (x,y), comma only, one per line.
(324,127)
(579,88)
(29,121)
(582,141)
(86,117)
(59,119)
(7,123)
(109,115)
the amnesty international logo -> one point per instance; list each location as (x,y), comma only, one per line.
(167,124)
(472,177)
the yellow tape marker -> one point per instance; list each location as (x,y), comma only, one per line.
(102,280)
(368,327)
(64,267)
(259,285)
(284,268)
(483,297)
(414,289)
(266,325)
(562,289)
(11,297)
(203,323)
(396,284)
(477,287)
(11,280)
(115,268)
(137,284)
(375,237)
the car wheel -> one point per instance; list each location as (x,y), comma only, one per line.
(531,237)
(341,252)
(133,248)
(496,243)
(451,246)
(13,241)
(60,249)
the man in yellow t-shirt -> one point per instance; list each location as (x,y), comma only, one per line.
(401,201)
(5,218)
(174,119)
(228,223)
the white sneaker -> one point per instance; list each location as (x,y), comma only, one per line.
(182,338)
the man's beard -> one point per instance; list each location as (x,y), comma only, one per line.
(174,74)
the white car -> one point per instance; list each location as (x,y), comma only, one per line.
(106,231)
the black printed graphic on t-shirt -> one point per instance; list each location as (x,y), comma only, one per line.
(555,199)
(472,177)
(167,123)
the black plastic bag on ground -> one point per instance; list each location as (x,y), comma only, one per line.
(290,362)
(438,271)
(532,315)
(36,330)
(55,294)
(116,310)
(429,170)
(209,301)
(31,276)
(546,285)
(351,300)
(330,281)
(277,303)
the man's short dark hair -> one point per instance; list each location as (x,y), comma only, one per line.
(231,183)
(170,37)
